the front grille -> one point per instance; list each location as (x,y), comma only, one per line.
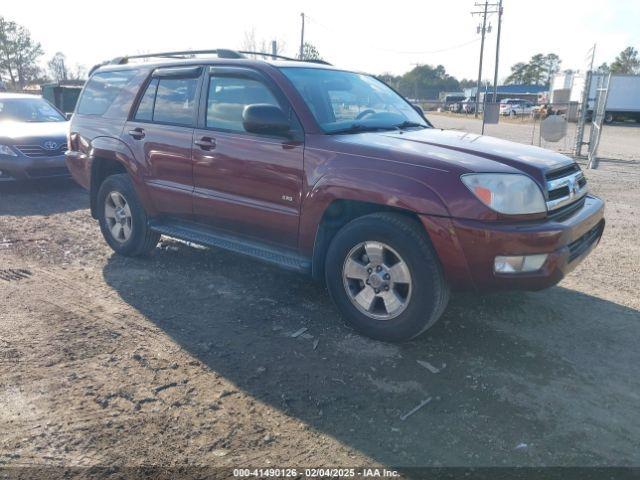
(565,187)
(38,151)
(563,172)
(584,243)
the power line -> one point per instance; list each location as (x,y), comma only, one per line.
(397,52)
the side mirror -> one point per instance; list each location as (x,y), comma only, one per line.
(68,115)
(418,109)
(265,119)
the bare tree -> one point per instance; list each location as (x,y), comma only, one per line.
(18,54)
(249,43)
(79,72)
(262,46)
(57,67)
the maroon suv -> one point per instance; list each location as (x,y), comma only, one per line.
(327,172)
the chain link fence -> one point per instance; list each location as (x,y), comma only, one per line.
(554,126)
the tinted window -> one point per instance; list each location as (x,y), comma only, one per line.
(28,110)
(341,100)
(101,90)
(145,108)
(175,101)
(229,95)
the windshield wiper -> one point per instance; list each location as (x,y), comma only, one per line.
(408,124)
(359,128)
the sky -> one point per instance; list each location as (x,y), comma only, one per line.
(372,36)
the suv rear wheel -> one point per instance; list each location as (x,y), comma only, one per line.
(122,218)
(385,277)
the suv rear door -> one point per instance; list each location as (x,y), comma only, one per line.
(160,133)
(246,183)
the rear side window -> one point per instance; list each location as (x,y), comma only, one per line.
(101,90)
(145,108)
(169,100)
(175,101)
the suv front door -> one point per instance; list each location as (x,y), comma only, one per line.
(245,183)
(160,134)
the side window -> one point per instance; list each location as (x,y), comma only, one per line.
(145,108)
(227,98)
(101,90)
(175,101)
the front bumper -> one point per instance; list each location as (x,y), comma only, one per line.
(31,168)
(467,248)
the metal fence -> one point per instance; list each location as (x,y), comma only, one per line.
(554,126)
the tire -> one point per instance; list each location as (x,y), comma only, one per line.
(608,118)
(425,296)
(141,240)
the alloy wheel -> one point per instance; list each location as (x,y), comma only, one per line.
(117,214)
(377,280)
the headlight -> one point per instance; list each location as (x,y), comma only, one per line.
(7,150)
(513,194)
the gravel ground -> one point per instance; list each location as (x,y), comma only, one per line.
(187,357)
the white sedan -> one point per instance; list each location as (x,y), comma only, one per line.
(514,107)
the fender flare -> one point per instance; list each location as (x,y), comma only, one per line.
(114,149)
(381,188)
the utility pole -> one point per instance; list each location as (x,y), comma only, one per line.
(495,73)
(302,38)
(415,83)
(482,30)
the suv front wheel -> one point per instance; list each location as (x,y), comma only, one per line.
(122,218)
(385,277)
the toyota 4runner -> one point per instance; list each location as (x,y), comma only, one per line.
(327,172)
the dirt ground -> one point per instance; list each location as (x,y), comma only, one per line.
(187,357)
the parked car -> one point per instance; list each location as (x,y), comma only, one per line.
(33,138)
(326,172)
(468,105)
(514,107)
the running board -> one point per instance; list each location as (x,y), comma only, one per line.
(198,234)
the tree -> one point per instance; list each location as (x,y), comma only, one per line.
(57,67)
(426,82)
(627,62)
(265,48)
(467,83)
(539,71)
(19,54)
(603,68)
(79,72)
(390,79)
(310,52)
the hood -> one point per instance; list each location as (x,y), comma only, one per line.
(18,132)
(461,151)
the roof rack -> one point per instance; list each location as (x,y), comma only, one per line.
(221,53)
(184,54)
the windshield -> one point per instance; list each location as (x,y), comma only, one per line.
(347,102)
(28,110)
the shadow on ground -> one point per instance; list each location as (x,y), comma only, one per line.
(43,197)
(546,378)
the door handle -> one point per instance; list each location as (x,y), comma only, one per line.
(137,133)
(206,143)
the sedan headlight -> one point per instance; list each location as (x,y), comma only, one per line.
(7,150)
(508,193)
